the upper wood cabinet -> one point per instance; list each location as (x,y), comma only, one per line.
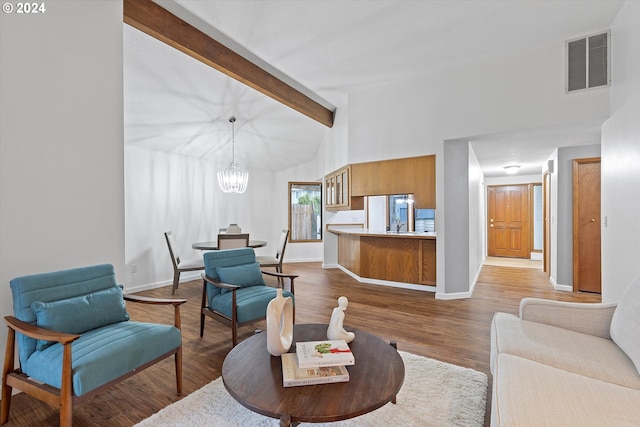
(338,191)
(415,175)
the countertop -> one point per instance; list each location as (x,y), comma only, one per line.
(357,231)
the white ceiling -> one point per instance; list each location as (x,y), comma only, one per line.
(329,48)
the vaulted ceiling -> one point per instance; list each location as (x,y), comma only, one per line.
(328,49)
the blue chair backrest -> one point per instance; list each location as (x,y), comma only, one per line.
(55,286)
(226,258)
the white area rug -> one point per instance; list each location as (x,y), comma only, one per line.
(433,394)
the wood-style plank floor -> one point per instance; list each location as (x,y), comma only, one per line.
(454,331)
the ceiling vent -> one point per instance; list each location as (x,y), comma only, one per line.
(588,61)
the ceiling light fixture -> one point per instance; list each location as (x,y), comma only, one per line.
(233,179)
(511,169)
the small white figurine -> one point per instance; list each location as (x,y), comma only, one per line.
(336,331)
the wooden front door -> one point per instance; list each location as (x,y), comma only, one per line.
(586,225)
(508,231)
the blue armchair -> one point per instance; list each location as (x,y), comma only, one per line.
(75,339)
(234,291)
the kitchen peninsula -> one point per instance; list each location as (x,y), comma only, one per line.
(405,259)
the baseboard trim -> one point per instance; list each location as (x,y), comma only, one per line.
(558,287)
(183,278)
(453,295)
(403,285)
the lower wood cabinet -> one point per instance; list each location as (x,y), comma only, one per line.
(396,259)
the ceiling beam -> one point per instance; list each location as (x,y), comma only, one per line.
(150,18)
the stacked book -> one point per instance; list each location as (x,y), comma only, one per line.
(317,362)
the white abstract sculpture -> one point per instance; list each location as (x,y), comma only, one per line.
(279,324)
(336,331)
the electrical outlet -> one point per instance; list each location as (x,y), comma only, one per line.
(134,268)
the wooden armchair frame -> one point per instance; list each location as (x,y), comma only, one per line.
(64,397)
(180,265)
(233,320)
(268,261)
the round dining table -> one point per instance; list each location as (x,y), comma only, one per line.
(213,245)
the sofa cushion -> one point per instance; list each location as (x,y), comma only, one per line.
(625,324)
(80,314)
(584,354)
(527,393)
(241,275)
(102,354)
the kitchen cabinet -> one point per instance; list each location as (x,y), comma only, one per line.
(411,175)
(338,191)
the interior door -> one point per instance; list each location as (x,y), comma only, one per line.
(586,225)
(508,232)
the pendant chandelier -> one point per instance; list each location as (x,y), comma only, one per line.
(233,179)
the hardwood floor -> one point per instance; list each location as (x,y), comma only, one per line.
(454,331)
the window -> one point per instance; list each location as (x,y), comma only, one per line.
(305,211)
(425,220)
(399,205)
(588,62)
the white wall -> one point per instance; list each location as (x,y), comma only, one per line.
(621,157)
(332,155)
(166,192)
(453,239)
(415,117)
(477,218)
(169,192)
(61,141)
(513,179)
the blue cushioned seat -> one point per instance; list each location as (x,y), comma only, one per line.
(103,354)
(251,302)
(235,292)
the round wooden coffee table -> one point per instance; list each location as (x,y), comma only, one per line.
(254,378)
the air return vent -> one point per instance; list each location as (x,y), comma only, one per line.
(588,62)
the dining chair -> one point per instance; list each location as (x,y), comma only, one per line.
(233,241)
(275,261)
(180,265)
(234,292)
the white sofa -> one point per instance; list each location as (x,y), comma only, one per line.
(567,364)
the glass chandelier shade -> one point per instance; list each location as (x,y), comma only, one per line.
(233,179)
